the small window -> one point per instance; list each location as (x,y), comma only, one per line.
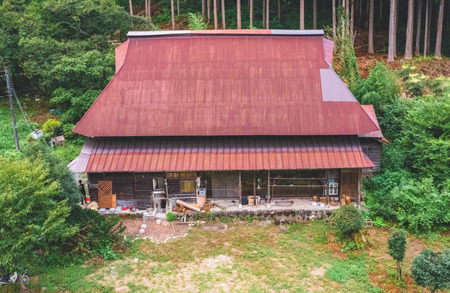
(158,183)
(187,186)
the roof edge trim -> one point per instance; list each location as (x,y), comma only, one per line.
(255,32)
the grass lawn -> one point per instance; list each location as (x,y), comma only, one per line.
(247,258)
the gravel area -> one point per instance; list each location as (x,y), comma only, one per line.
(157,233)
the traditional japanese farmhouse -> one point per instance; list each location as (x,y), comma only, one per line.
(235,112)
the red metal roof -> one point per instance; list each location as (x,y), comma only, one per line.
(371,112)
(121,53)
(249,82)
(226,153)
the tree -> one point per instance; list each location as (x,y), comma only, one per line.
(432,270)
(302,15)
(223,14)
(352,22)
(131,6)
(239,14)
(178,7)
(279,10)
(216,25)
(251,13)
(203,8)
(392,12)
(173,14)
(419,24)
(334,21)
(426,36)
(267,14)
(29,219)
(397,249)
(370,50)
(440,22)
(409,31)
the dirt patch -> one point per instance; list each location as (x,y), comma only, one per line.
(157,233)
(318,272)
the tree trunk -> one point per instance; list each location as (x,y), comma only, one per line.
(239,14)
(21,284)
(391,31)
(352,22)
(146,8)
(314,14)
(360,10)
(430,17)
(343,22)
(440,22)
(302,14)
(267,14)
(203,8)
(381,9)
(173,14)
(251,13)
(131,7)
(419,24)
(425,37)
(223,14)
(409,31)
(264,14)
(334,21)
(371,51)
(395,27)
(216,24)
(209,10)
(178,7)
(279,9)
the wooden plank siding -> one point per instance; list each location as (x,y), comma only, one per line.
(372,148)
(126,186)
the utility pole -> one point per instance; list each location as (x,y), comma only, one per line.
(11,107)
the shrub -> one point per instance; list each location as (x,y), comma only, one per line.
(170,217)
(382,81)
(50,127)
(57,169)
(397,248)
(432,270)
(196,22)
(348,220)
(98,234)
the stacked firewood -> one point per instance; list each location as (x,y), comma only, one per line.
(181,209)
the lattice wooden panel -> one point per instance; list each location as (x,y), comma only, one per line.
(105,196)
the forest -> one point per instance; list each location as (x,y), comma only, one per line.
(393,54)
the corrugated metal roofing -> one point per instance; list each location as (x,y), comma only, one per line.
(226,153)
(211,84)
(121,52)
(371,112)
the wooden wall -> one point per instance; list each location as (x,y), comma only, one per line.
(126,186)
(372,148)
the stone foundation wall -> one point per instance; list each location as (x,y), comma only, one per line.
(287,216)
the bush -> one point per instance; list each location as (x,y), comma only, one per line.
(57,169)
(51,126)
(170,217)
(348,220)
(382,81)
(98,234)
(416,204)
(196,22)
(397,248)
(432,270)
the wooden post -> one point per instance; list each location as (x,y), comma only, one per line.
(240,187)
(359,187)
(268,186)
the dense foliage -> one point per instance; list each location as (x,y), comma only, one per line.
(348,220)
(30,221)
(60,50)
(412,188)
(432,270)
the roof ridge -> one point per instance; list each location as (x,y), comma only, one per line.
(236,32)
